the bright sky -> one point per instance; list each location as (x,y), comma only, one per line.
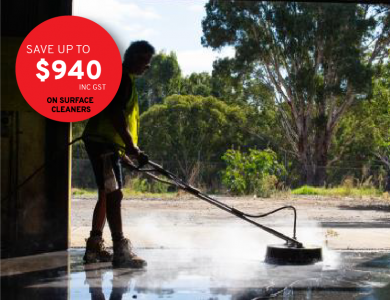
(169,25)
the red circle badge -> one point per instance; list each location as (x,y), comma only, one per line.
(68,68)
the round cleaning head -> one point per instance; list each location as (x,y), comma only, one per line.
(289,255)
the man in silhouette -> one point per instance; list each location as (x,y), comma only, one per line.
(110,137)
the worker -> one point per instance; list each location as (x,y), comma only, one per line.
(111,137)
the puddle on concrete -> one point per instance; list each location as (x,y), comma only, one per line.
(195,274)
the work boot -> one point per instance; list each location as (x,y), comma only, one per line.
(124,257)
(96,251)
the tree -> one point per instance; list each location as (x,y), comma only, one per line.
(363,140)
(161,80)
(189,129)
(197,84)
(317,64)
(380,112)
(241,87)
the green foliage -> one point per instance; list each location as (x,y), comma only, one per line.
(128,192)
(187,129)
(239,86)
(308,190)
(266,186)
(379,111)
(341,191)
(291,32)
(349,187)
(362,142)
(197,84)
(316,64)
(161,80)
(79,192)
(78,149)
(143,185)
(254,172)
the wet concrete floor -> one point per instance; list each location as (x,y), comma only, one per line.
(197,274)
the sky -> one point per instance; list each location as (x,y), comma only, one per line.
(169,25)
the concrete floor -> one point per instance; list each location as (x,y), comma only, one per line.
(195,252)
(197,274)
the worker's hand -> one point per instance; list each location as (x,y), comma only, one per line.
(132,151)
(142,158)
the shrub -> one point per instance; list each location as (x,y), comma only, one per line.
(266,186)
(256,172)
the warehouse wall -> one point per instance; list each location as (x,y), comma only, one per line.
(35,217)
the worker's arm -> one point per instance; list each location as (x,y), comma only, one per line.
(117,117)
(118,120)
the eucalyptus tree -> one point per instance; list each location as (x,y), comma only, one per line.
(363,140)
(161,80)
(197,84)
(317,57)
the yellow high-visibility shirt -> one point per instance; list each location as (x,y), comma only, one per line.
(100,129)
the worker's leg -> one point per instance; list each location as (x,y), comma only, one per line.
(99,214)
(95,249)
(114,215)
(124,257)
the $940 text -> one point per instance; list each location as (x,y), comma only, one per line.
(76,70)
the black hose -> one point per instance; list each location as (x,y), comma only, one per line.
(276,210)
(184,186)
